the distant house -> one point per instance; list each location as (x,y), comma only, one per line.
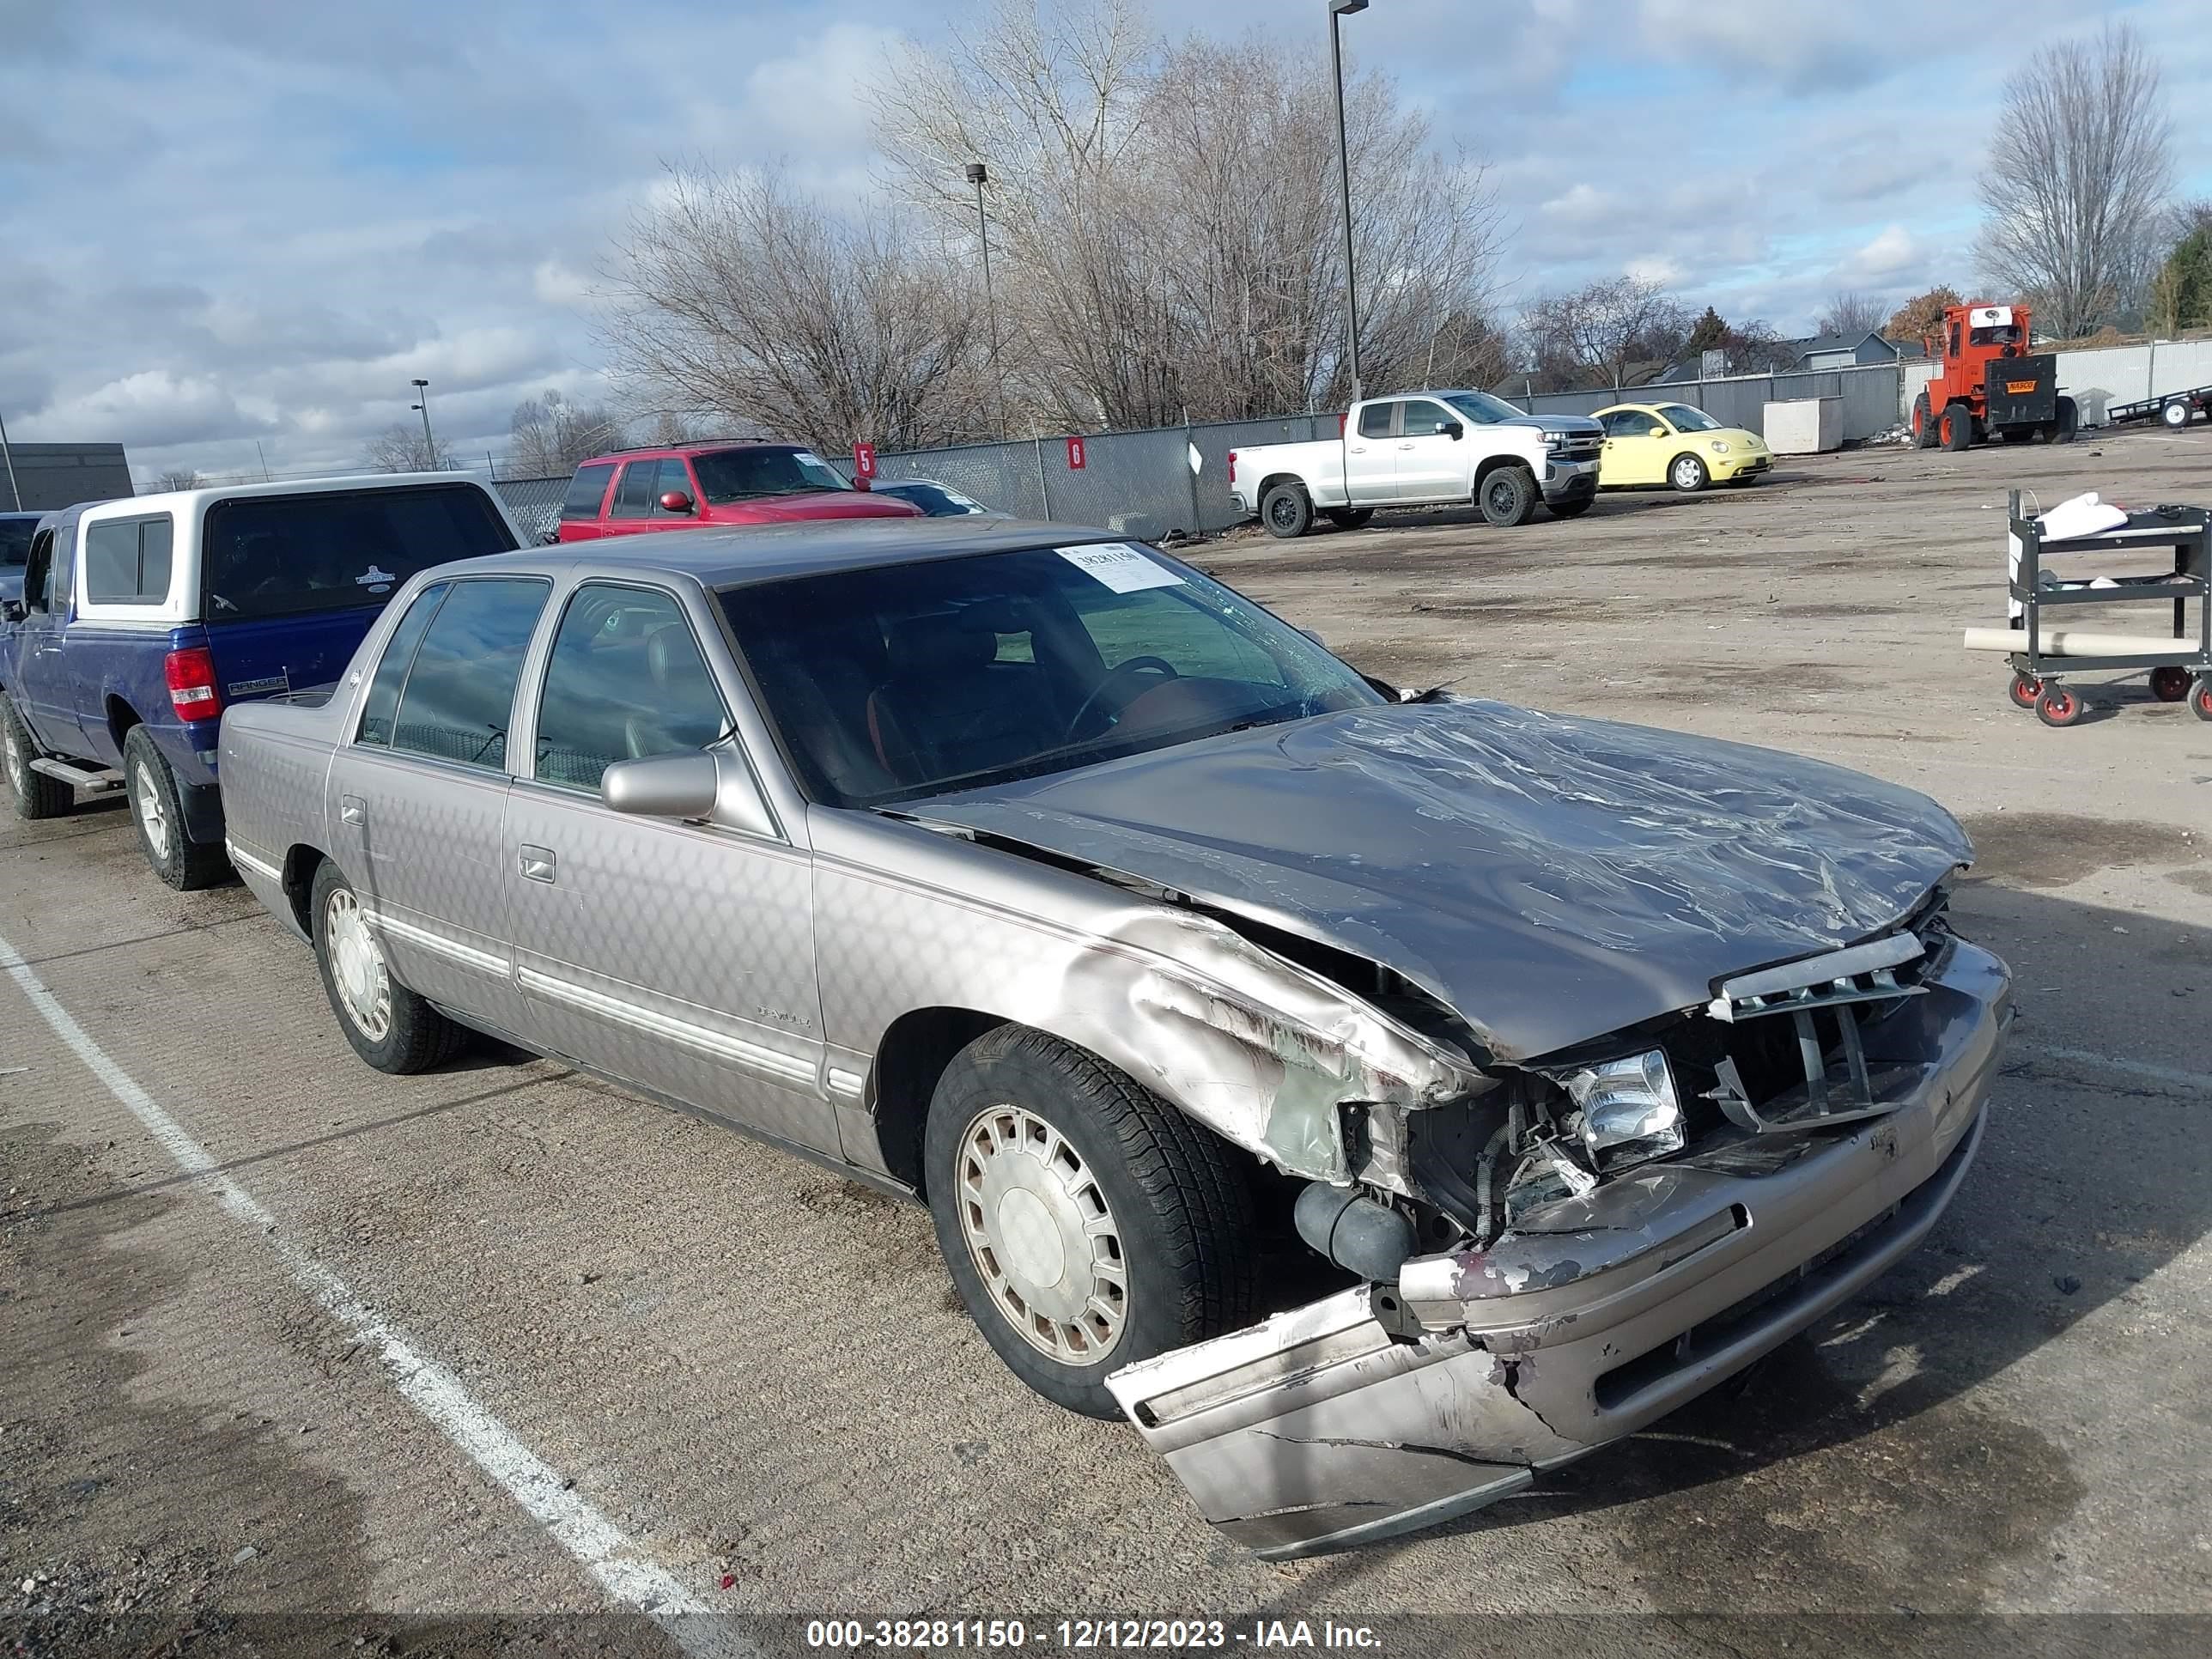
(1845,351)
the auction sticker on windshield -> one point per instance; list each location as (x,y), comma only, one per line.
(1124,568)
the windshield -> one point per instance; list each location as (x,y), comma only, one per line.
(1686,419)
(934,499)
(1483,409)
(15,540)
(911,680)
(744,475)
(280,555)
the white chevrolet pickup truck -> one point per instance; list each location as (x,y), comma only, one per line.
(1424,449)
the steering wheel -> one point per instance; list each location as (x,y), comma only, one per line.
(1115,675)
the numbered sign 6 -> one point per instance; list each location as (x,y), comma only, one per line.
(1075,454)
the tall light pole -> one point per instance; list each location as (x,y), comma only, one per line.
(1338,10)
(429,444)
(8,456)
(979,175)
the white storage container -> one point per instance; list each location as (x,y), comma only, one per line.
(1805,426)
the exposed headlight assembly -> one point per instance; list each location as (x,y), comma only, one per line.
(1630,1111)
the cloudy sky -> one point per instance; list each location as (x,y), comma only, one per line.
(230,221)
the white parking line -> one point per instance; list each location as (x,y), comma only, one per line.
(628,1575)
(2173,1076)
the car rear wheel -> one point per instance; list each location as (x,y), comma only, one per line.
(1958,428)
(2068,423)
(35,795)
(2175,413)
(157,809)
(1287,511)
(1087,1224)
(1507,496)
(390,1027)
(1687,474)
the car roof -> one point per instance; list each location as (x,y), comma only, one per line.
(697,446)
(739,557)
(190,501)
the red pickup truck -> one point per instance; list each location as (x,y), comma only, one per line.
(675,487)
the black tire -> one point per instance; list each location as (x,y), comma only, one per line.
(1349,518)
(1287,511)
(157,813)
(2057,706)
(1687,474)
(2070,421)
(1926,430)
(2027,690)
(1571,509)
(33,794)
(2169,684)
(1507,496)
(2174,413)
(1958,428)
(415,1036)
(1179,1208)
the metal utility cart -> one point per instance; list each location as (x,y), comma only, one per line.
(2044,655)
(2172,408)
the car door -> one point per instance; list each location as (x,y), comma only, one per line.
(43,695)
(418,791)
(1432,463)
(672,955)
(1370,458)
(1631,455)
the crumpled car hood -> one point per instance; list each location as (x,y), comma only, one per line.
(1551,878)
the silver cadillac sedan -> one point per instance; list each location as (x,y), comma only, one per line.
(1379,1097)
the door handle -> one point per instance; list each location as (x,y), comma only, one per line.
(1405,446)
(536,863)
(352,809)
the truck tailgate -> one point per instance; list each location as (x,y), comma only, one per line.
(266,656)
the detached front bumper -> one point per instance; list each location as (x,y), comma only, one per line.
(1385,1408)
(1570,481)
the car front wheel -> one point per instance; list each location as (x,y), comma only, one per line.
(1087,1224)
(35,794)
(1687,474)
(1507,496)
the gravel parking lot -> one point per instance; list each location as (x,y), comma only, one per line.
(751,1374)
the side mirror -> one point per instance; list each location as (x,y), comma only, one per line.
(551,538)
(1656,432)
(1453,430)
(664,785)
(675,501)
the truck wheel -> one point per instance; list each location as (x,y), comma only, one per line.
(2069,423)
(1287,511)
(1349,518)
(1926,430)
(35,795)
(1086,1223)
(1687,474)
(1507,496)
(389,1026)
(2175,413)
(157,807)
(1958,427)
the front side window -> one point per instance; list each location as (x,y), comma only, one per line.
(459,693)
(38,568)
(1375,419)
(1686,419)
(126,561)
(285,555)
(383,699)
(1625,422)
(744,475)
(674,479)
(911,680)
(626,680)
(1426,420)
(586,490)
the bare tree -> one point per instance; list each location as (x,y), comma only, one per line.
(549,435)
(1597,335)
(735,293)
(400,448)
(1144,277)
(178,477)
(2076,181)
(1850,314)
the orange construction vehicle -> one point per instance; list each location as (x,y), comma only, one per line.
(1990,385)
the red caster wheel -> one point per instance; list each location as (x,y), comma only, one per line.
(2169,684)
(2201,698)
(2058,706)
(2026,689)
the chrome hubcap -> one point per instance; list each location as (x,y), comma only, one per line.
(1041,1235)
(151,818)
(18,772)
(1685,474)
(357,966)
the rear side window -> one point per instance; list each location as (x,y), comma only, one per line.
(634,496)
(586,490)
(391,671)
(126,561)
(459,691)
(1375,419)
(281,555)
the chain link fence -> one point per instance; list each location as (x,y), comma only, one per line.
(533,504)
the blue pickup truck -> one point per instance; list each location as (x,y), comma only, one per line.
(140,620)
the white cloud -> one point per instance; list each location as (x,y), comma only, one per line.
(1894,251)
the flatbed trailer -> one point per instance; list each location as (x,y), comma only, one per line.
(2172,408)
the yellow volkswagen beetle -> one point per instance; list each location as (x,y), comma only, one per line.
(1675,444)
